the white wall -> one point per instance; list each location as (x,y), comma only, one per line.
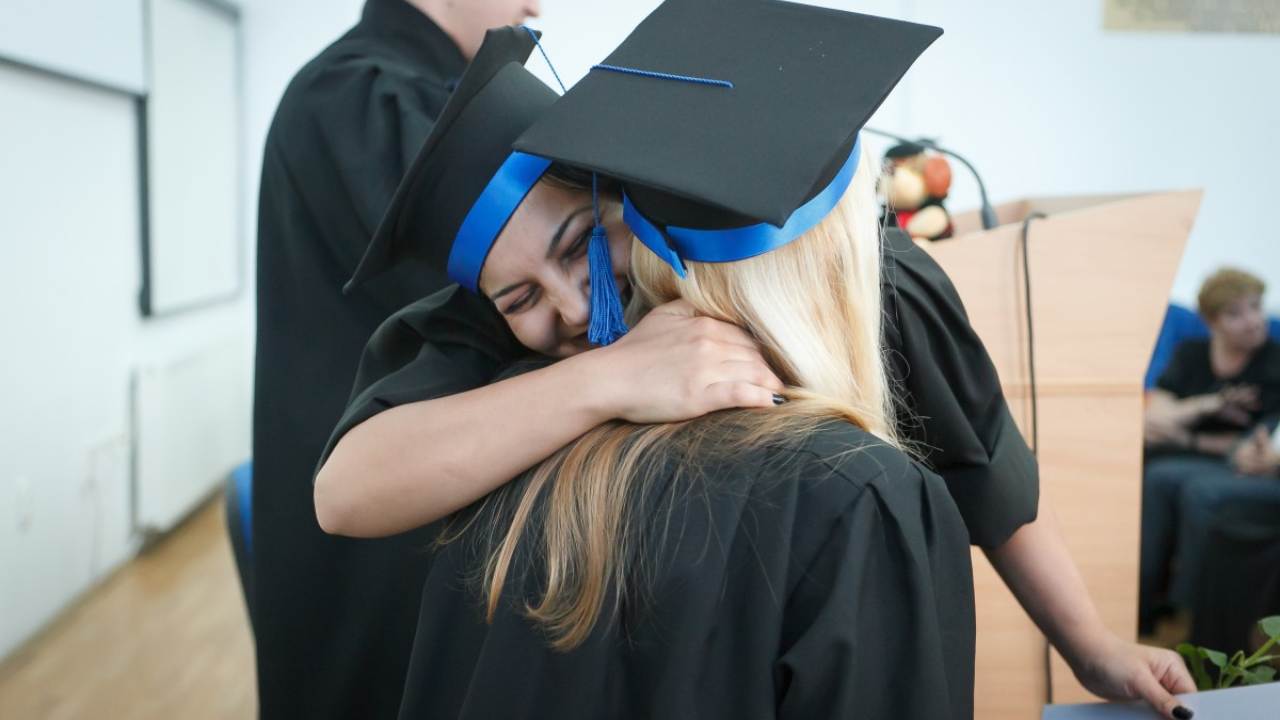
(1044,101)
(73,337)
(96,39)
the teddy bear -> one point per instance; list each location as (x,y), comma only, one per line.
(914,185)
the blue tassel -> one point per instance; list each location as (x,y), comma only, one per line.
(607,323)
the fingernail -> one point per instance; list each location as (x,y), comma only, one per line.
(1182,713)
(778,399)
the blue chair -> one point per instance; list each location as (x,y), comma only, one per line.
(1181,324)
(239,500)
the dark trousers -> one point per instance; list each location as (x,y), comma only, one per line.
(1181,496)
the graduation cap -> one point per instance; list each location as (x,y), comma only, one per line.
(465,182)
(732,124)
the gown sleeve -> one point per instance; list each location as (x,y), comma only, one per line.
(374,138)
(346,143)
(955,410)
(880,623)
(447,343)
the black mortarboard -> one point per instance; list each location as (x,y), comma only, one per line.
(731,123)
(465,182)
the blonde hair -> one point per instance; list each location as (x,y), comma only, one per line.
(813,305)
(1225,287)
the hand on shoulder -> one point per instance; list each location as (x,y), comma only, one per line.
(676,365)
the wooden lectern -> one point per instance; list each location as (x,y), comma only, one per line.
(1101,269)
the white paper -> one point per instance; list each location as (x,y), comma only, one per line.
(1256,702)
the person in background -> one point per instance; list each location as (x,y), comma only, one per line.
(334,618)
(1206,439)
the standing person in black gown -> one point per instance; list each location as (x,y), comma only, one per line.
(332,617)
(425,436)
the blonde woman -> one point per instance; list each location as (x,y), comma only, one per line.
(781,562)
(422,440)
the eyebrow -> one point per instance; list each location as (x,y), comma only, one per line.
(555,239)
(551,249)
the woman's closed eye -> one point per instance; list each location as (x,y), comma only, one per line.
(523,301)
(578,247)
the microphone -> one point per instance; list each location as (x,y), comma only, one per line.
(987,212)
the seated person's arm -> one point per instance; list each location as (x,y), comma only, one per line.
(417,462)
(1259,453)
(1166,409)
(1168,420)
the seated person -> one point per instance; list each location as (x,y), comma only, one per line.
(1209,400)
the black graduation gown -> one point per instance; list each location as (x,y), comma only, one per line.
(947,385)
(955,409)
(333,618)
(827,579)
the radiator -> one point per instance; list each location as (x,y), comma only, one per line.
(192,418)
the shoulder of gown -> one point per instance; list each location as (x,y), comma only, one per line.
(951,404)
(878,613)
(444,344)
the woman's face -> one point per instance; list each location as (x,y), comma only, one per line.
(537,273)
(1241,325)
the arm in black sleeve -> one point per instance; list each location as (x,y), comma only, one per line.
(344,146)
(448,343)
(951,403)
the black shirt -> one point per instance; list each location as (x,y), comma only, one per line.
(333,617)
(827,577)
(1190,373)
(951,404)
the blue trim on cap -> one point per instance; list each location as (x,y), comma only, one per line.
(490,214)
(674,244)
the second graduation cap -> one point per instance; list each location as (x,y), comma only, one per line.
(465,182)
(733,124)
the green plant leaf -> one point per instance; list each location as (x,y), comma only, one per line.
(1229,675)
(1258,660)
(1194,657)
(1271,626)
(1219,659)
(1260,676)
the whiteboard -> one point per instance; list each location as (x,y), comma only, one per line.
(194,249)
(99,41)
(69,223)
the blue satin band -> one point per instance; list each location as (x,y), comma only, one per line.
(490,214)
(677,244)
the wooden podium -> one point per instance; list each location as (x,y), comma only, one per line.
(1101,269)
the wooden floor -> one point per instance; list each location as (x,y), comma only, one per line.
(166,637)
